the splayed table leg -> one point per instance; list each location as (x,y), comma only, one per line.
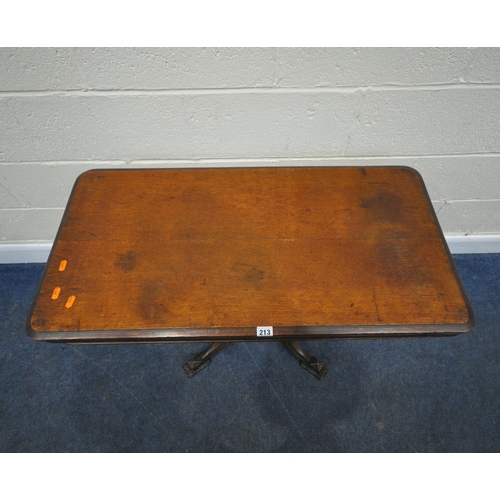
(308,362)
(203,359)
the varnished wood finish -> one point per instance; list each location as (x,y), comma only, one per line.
(210,254)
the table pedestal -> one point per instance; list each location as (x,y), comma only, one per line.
(310,363)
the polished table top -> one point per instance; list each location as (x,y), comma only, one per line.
(214,254)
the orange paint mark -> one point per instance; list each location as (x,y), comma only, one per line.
(62,265)
(56,292)
(70,301)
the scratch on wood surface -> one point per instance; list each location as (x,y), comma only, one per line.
(376,305)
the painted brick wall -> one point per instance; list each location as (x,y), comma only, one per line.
(64,111)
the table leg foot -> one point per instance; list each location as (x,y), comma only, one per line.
(310,363)
(203,359)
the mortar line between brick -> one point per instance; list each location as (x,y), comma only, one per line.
(276,77)
(28,209)
(449,201)
(260,160)
(245,90)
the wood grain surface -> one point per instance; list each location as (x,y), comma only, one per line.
(179,254)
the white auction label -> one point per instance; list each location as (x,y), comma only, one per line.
(264,331)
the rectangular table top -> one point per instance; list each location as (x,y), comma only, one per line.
(211,254)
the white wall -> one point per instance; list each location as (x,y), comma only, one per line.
(64,111)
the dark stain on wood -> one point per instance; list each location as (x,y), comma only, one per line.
(254,275)
(152,303)
(384,206)
(126,261)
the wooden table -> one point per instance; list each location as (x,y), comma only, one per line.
(248,254)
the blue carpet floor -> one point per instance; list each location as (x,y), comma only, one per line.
(411,395)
